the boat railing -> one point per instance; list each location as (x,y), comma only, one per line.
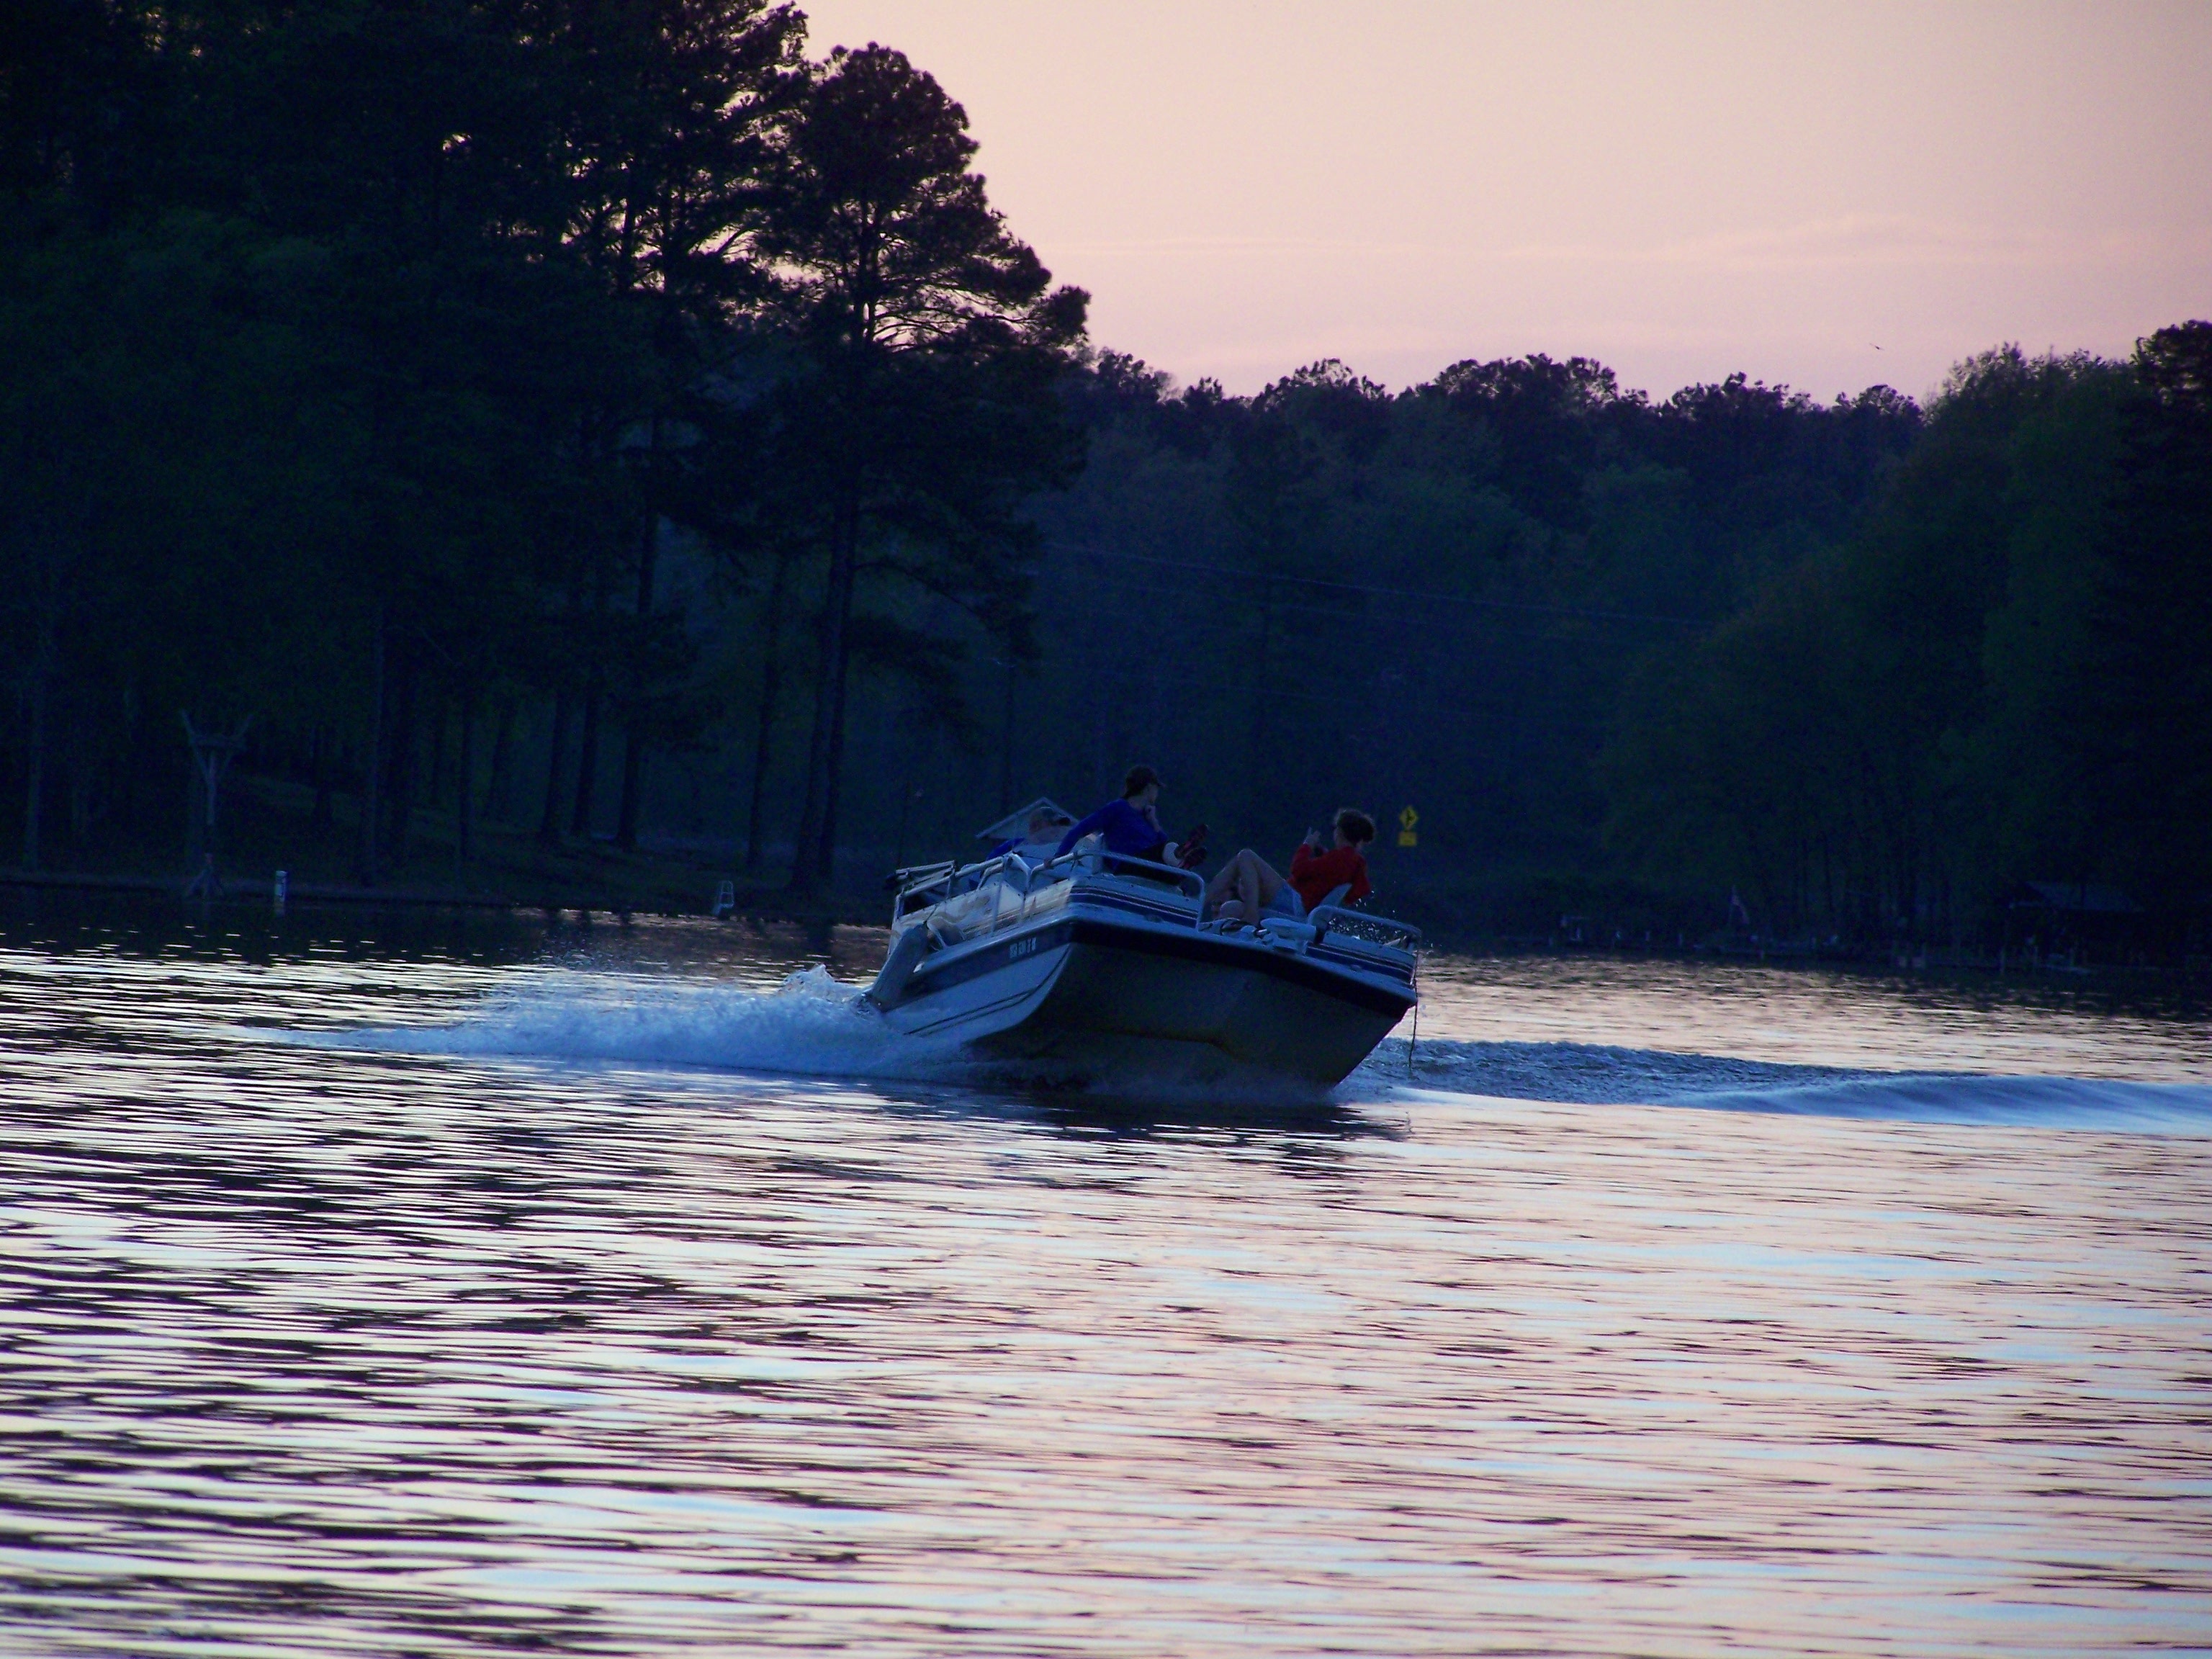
(922,886)
(1025,877)
(915,883)
(1093,861)
(1192,885)
(1376,930)
(926,886)
(910,876)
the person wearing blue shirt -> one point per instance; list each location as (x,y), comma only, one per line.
(1131,825)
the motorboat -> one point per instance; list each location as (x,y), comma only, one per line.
(1095,967)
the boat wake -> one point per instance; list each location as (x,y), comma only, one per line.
(1593,1074)
(811,1025)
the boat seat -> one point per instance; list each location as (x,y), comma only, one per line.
(1334,895)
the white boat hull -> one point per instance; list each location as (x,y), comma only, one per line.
(1099,991)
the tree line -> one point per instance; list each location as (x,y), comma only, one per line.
(1868,668)
(363,358)
(600,418)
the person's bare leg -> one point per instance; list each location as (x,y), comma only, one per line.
(1266,884)
(1215,890)
(1257,884)
(1222,890)
(1223,885)
(1250,881)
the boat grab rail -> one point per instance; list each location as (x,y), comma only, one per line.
(1067,865)
(912,886)
(1192,883)
(950,880)
(1325,917)
(1024,877)
(912,875)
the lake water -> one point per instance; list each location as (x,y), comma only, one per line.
(438,1290)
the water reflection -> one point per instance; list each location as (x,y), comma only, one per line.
(2141,1027)
(323,1347)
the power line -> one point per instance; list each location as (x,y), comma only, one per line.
(1365,619)
(1492,707)
(1427,596)
(1496,710)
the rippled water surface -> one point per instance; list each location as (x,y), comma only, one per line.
(433,1291)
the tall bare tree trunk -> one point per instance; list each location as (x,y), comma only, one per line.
(549,822)
(633,772)
(587,764)
(764,733)
(635,737)
(813,863)
(82,747)
(436,792)
(595,697)
(35,791)
(405,744)
(319,751)
(836,775)
(499,786)
(372,765)
(465,796)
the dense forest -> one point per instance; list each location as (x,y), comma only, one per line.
(549,429)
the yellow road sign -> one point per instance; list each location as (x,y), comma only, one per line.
(1408,818)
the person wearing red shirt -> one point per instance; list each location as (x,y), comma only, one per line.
(1248,881)
(1316,874)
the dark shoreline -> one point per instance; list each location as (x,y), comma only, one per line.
(762,911)
(755,905)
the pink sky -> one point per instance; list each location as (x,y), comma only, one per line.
(1679,190)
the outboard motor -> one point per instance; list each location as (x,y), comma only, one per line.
(898,968)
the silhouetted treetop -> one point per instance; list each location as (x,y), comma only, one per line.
(666,130)
(887,237)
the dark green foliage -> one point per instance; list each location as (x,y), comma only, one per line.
(1550,422)
(1328,593)
(364,351)
(591,409)
(1872,670)
(2146,742)
(1994,678)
